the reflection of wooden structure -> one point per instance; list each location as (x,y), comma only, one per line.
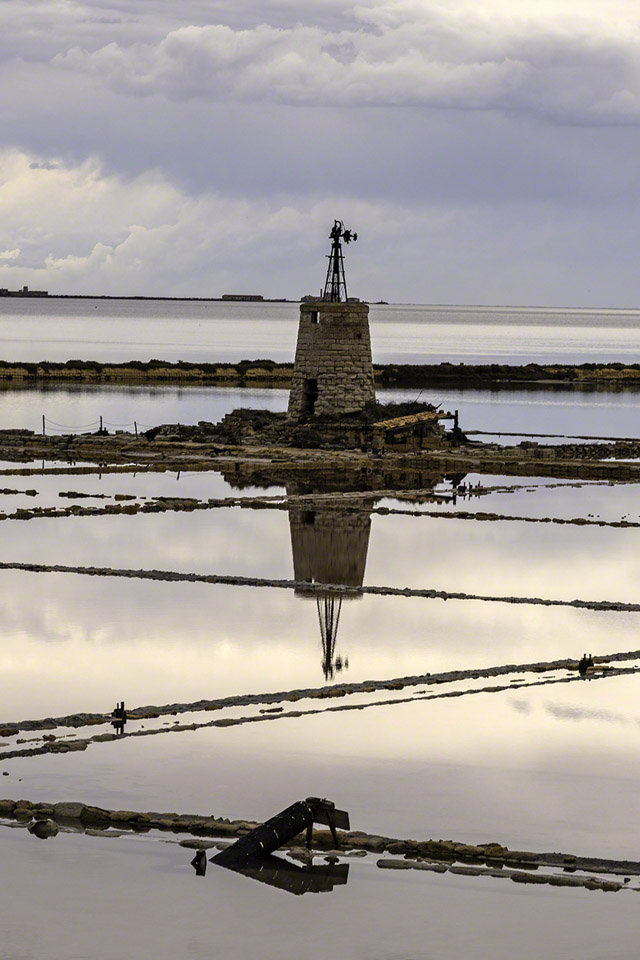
(330,547)
(416,432)
(287,876)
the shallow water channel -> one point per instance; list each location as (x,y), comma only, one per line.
(532,757)
(497,412)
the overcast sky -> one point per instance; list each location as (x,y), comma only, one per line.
(487,151)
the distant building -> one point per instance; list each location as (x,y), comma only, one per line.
(25,292)
(243,296)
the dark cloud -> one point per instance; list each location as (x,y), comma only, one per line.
(428,56)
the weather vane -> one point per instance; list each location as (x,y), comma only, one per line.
(335,287)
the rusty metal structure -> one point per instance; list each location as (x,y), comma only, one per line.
(335,287)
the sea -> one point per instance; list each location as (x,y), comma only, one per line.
(117,330)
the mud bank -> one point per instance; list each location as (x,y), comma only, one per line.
(431,855)
(309,588)
(53,745)
(246,372)
(345,503)
(265,372)
(337,691)
(176,447)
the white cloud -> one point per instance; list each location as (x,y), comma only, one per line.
(10,254)
(82,229)
(564,66)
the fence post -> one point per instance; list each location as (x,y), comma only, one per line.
(135,424)
(100,424)
(43,426)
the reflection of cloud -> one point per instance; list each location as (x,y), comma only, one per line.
(521,706)
(565,711)
(555,562)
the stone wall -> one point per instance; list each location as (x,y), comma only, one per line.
(333,371)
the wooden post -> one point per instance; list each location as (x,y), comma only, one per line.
(135,425)
(43,426)
(101,424)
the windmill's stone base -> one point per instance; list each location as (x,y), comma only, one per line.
(333,371)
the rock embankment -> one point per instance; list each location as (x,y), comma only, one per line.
(602,667)
(438,856)
(176,576)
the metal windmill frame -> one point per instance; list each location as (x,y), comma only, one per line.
(335,287)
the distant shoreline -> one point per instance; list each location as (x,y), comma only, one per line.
(268,373)
(107,296)
(465,307)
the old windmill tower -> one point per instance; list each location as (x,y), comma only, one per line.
(333,371)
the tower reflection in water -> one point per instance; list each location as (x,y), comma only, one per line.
(330,535)
(329,546)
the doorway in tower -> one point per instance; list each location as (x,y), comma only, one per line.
(310,395)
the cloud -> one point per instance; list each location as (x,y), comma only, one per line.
(83,229)
(10,254)
(571,69)
(565,711)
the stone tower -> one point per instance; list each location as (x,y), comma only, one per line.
(333,370)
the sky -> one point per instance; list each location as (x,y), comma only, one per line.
(486,151)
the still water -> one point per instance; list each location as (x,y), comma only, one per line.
(82,890)
(495,558)
(530,766)
(116,330)
(552,766)
(79,408)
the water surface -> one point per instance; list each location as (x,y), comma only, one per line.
(77,409)
(117,330)
(86,910)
